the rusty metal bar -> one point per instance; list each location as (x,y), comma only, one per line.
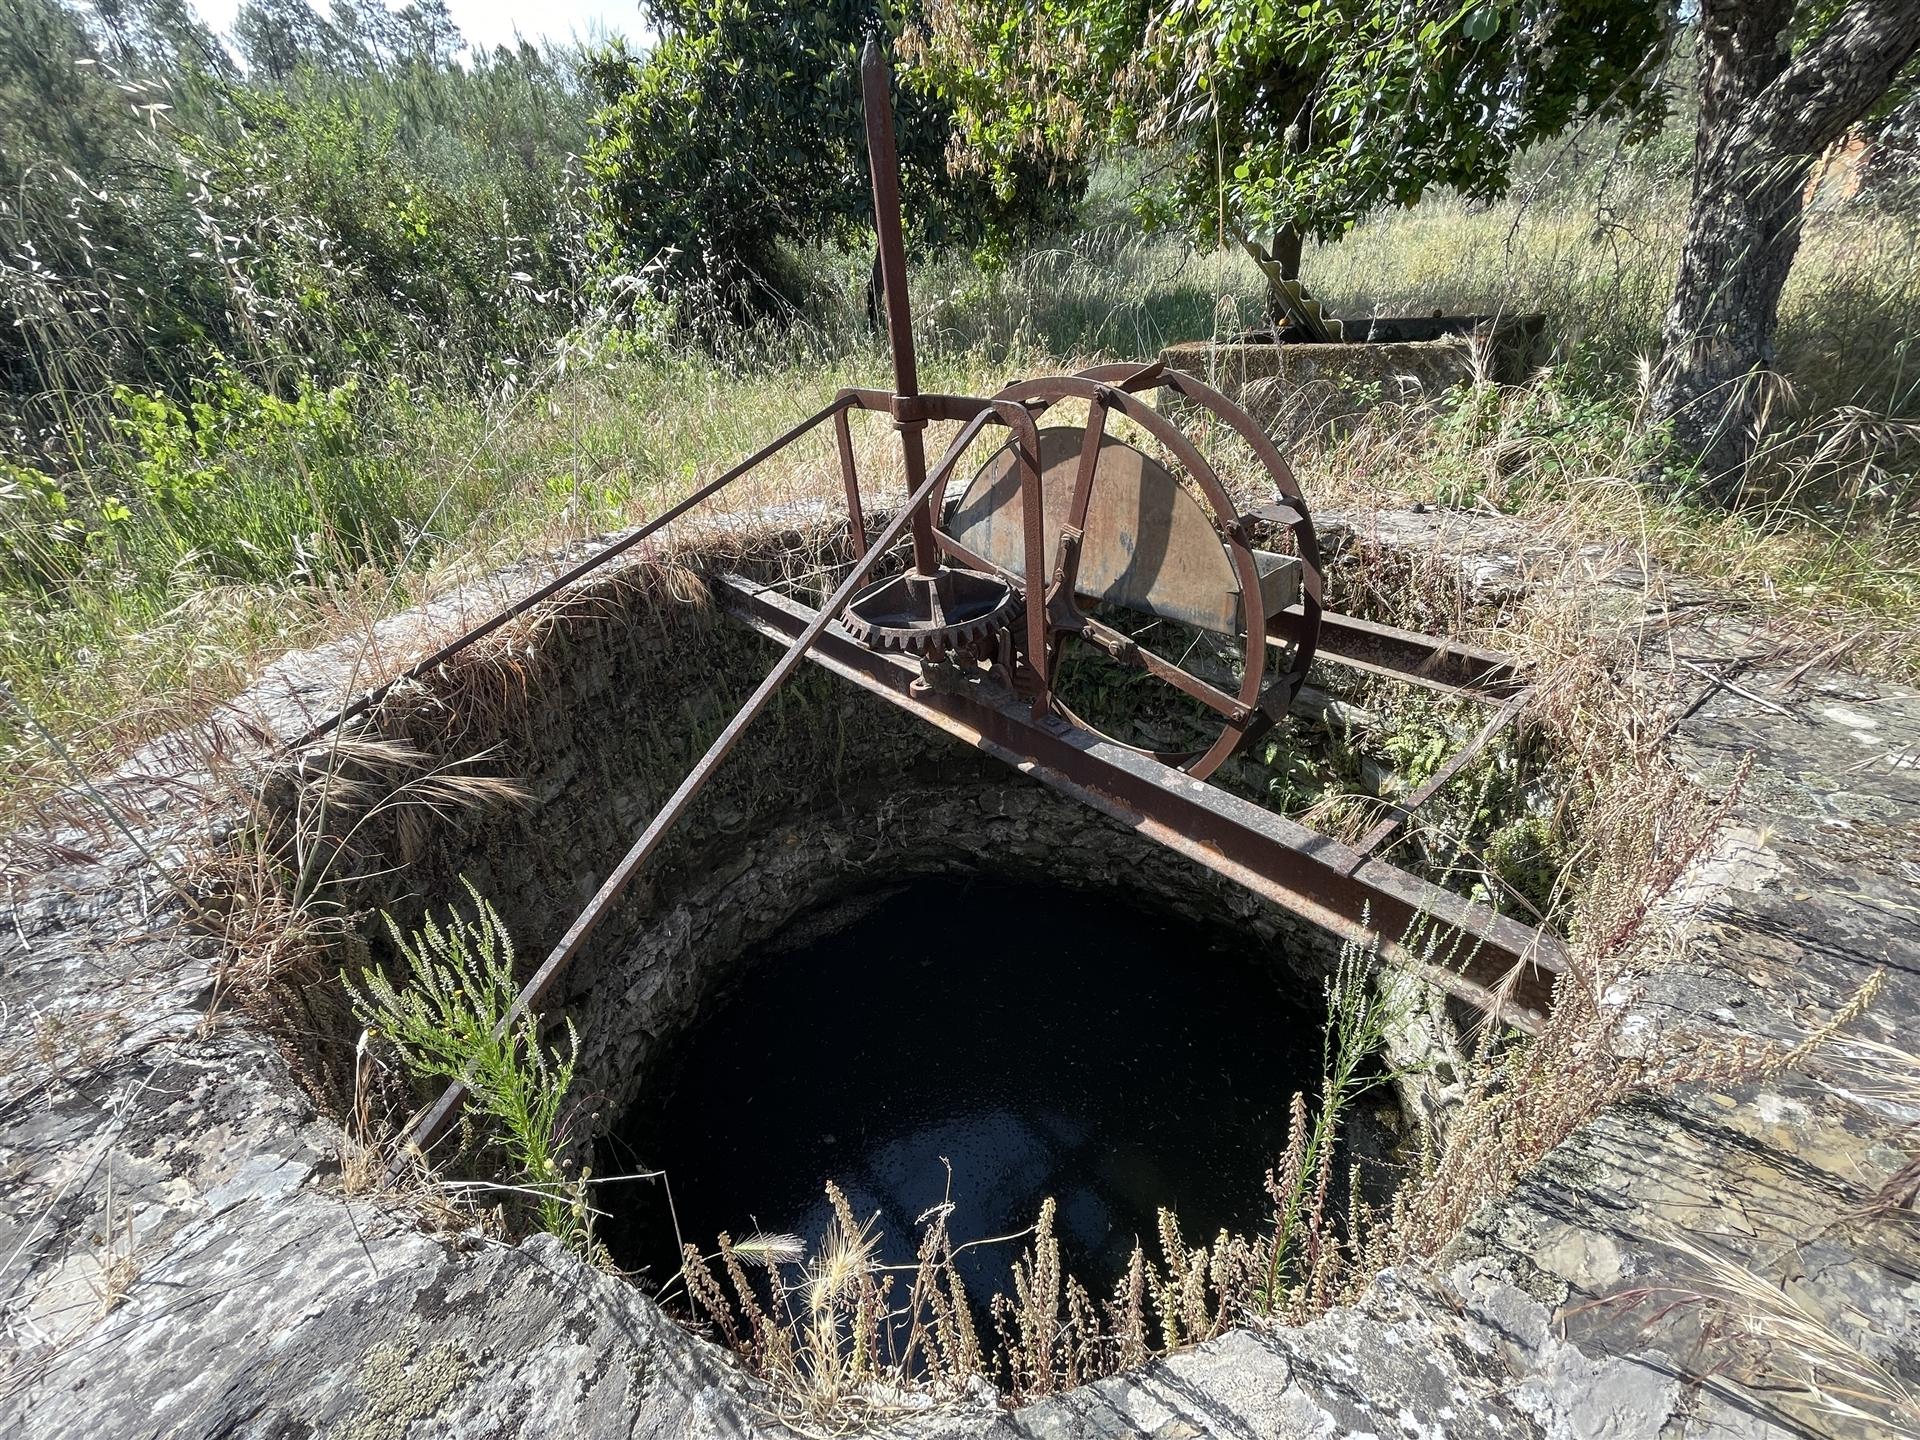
(1375,649)
(1127,651)
(553,587)
(884,164)
(1506,968)
(431,1125)
(1402,810)
(850,481)
(1067,573)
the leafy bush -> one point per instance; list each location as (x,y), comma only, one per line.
(243,485)
(369,208)
(741,133)
(194,533)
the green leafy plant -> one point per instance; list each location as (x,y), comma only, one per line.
(453,1020)
(1289,120)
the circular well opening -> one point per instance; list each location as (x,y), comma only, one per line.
(1042,1040)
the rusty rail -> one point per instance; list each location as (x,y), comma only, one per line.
(560,582)
(1401,811)
(1375,649)
(1501,966)
(434,1121)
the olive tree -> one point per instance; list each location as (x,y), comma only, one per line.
(1779,83)
(1283,120)
(1302,116)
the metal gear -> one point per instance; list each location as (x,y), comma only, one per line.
(947,611)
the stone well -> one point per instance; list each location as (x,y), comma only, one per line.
(183,1252)
(831,795)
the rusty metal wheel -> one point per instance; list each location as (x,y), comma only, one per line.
(1123,534)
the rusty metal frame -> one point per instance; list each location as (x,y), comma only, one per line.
(1496,964)
(1492,962)
(813,624)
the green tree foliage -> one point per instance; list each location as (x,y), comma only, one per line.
(741,133)
(276,37)
(1271,114)
(422,215)
(279,38)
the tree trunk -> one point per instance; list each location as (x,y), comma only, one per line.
(1765,117)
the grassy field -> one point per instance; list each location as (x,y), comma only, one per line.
(207,537)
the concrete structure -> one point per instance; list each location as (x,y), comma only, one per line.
(1296,387)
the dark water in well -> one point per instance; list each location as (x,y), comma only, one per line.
(1043,1041)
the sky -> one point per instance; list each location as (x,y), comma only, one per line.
(495,22)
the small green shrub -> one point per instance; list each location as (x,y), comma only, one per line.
(452,1020)
(244,485)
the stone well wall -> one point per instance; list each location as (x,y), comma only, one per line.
(831,794)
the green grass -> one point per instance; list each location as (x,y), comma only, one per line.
(150,582)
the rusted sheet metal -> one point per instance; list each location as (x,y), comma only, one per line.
(1146,543)
(1257,701)
(1500,966)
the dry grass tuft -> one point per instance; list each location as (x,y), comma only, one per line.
(1806,1363)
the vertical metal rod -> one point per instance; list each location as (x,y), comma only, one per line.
(1033,543)
(1068,574)
(884,162)
(850,478)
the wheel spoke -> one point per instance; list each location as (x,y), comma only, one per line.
(1129,651)
(1067,567)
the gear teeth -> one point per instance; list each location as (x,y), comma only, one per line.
(928,641)
(918,636)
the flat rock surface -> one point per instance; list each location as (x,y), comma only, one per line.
(180,1256)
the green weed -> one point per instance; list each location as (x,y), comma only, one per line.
(451,1020)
